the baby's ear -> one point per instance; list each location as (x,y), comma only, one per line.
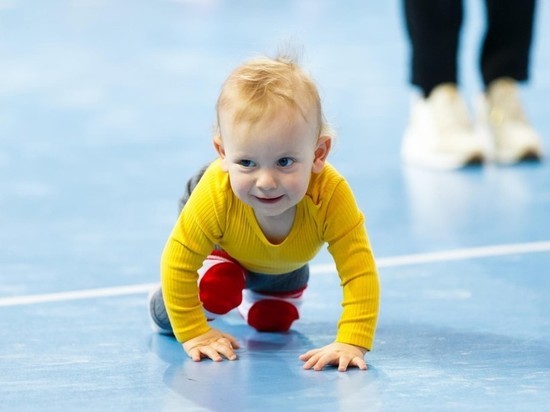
(218,145)
(321,153)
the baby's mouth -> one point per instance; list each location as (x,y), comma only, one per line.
(269,200)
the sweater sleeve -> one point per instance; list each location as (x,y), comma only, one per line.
(349,245)
(193,237)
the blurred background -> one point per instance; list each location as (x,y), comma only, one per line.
(107,107)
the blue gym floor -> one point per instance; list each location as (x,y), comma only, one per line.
(106,108)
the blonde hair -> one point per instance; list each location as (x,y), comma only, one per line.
(263,86)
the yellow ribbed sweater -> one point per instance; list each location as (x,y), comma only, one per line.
(328,214)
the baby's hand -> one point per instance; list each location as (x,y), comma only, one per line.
(337,354)
(211,345)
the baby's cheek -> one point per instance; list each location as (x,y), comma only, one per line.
(299,186)
(240,187)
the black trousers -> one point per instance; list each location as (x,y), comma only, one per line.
(433,27)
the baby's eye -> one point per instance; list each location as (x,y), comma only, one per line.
(285,162)
(246,163)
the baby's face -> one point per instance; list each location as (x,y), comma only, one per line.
(270,163)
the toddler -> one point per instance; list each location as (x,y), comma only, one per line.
(253,219)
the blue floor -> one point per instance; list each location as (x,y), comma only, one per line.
(107,107)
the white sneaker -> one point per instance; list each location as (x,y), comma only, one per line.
(440,134)
(501,120)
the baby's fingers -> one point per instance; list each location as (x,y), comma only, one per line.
(224,347)
(231,341)
(346,360)
(309,354)
(195,354)
(208,352)
(359,362)
(315,361)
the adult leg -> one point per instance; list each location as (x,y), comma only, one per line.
(504,62)
(507,41)
(433,28)
(439,133)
